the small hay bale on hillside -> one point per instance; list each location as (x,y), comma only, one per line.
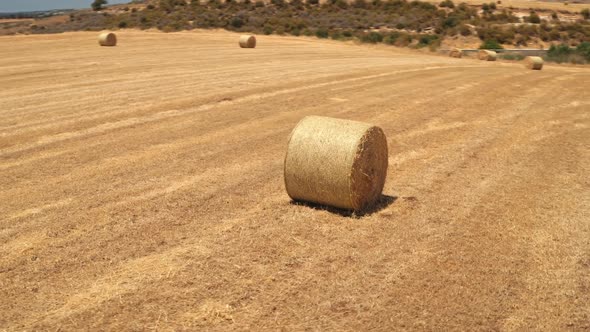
(455,53)
(247,41)
(107,39)
(336,162)
(487,55)
(534,62)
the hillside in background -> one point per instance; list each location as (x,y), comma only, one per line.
(396,22)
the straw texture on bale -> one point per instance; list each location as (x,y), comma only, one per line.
(487,55)
(107,39)
(247,41)
(336,162)
(455,53)
(534,62)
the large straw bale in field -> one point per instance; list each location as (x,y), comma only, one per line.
(247,41)
(534,62)
(487,55)
(455,53)
(336,162)
(107,39)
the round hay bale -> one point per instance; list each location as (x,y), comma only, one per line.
(487,55)
(247,41)
(534,62)
(455,53)
(336,162)
(107,39)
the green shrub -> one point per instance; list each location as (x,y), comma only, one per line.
(359,4)
(236,22)
(372,37)
(533,18)
(447,4)
(490,44)
(584,50)
(427,40)
(559,53)
(307,32)
(585,13)
(564,53)
(336,35)
(391,38)
(450,22)
(267,30)
(322,33)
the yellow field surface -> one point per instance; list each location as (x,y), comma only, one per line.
(142,188)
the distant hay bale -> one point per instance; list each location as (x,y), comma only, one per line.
(336,162)
(487,55)
(107,39)
(247,41)
(455,53)
(534,62)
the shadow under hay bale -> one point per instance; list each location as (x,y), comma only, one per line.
(382,203)
(107,39)
(336,162)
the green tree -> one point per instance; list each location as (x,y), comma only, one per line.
(585,13)
(97,4)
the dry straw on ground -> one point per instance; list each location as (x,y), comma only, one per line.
(487,55)
(107,39)
(336,162)
(534,62)
(455,53)
(247,41)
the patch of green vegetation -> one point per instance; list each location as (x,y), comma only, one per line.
(564,53)
(490,44)
(372,37)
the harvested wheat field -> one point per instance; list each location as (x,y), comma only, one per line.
(142,188)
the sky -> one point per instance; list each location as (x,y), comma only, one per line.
(7,6)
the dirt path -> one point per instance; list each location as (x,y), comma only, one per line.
(142,188)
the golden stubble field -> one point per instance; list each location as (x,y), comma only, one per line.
(142,188)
